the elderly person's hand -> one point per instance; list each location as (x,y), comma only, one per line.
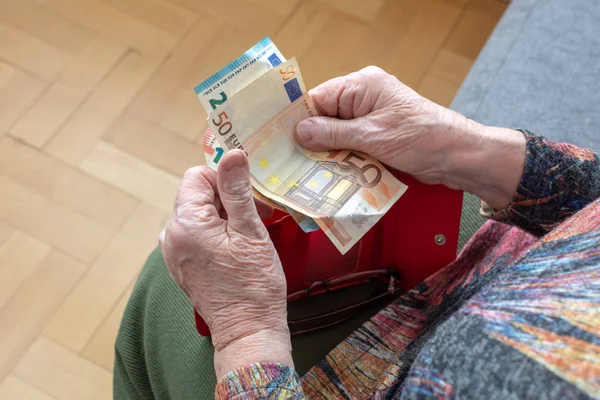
(373,112)
(220,254)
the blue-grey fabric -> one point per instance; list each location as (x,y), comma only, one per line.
(540,70)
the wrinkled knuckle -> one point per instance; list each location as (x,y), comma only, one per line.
(193,172)
(192,210)
(202,214)
(177,235)
(354,79)
(349,94)
(240,189)
(373,70)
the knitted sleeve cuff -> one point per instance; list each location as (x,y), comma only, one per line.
(259,381)
(558,180)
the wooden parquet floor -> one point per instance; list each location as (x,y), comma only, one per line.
(98,122)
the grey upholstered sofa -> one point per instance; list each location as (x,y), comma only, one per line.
(539,70)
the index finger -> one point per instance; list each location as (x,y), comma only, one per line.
(326,96)
(345,97)
(198,190)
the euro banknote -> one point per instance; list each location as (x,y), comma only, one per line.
(344,192)
(236,75)
(224,84)
(213,153)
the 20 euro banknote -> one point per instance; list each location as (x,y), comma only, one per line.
(236,75)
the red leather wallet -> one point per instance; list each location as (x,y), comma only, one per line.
(415,238)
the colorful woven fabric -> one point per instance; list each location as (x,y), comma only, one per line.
(517,315)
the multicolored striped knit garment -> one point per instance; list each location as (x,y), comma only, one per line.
(517,315)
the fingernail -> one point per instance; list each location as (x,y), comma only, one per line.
(305,130)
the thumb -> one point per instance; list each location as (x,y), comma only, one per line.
(326,133)
(235,192)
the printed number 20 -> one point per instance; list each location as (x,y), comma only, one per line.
(217,102)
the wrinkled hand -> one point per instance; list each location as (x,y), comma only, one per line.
(373,112)
(219,252)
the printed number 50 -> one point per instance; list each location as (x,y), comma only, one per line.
(224,125)
(360,173)
(287,72)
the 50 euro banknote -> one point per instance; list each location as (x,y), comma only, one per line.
(213,152)
(344,192)
(224,84)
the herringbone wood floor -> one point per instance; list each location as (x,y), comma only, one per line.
(98,121)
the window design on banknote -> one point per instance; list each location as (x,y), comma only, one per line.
(323,188)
